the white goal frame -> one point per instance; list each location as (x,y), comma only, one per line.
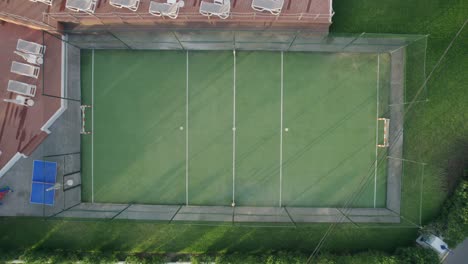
(385,143)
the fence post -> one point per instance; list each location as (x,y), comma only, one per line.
(178,40)
(352,41)
(121,20)
(119,213)
(172,218)
(54,215)
(290,217)
(291,43)
(74,17)
(95,16)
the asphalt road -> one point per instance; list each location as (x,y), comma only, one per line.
(459,255)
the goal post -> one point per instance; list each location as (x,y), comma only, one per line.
(386,130)
(83,120)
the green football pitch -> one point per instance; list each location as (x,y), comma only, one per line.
(212,127)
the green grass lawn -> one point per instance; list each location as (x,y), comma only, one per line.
(440,123)
(155,237)
(432,129)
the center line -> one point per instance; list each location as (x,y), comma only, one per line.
(234,133)
(281,137)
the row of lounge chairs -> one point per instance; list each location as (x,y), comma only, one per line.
(170,8)
(32,53)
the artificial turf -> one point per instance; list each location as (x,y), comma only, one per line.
(143,130)
(138,147)
(210,111)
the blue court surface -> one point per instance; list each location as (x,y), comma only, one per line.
(44,176)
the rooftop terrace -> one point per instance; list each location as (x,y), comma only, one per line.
(23,128)
(314,15)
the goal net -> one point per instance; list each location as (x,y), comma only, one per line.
(386,128)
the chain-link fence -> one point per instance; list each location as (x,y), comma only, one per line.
(241,40)
(401,87)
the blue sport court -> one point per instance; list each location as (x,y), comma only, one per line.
(43,178)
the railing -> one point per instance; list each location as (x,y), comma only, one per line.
(25,21)
(186,17)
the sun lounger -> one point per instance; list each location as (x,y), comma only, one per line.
(47,2)
(220,8)
(169,9)
(82,5)
(272,6)
(30,58)
(20,100)
(21,88)
(130,4)
(25,69)
(30,47)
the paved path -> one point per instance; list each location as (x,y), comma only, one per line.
(459,255)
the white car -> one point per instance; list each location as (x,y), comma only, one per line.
(434,243)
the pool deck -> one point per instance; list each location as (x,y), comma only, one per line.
(315,15)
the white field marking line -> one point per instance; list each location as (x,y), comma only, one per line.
(376,132)
(186,128)
(424,70)
(421,195)
(281,137)
(234,131)
(92,126)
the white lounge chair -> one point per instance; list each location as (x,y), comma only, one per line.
(88,6)
(47,2)
(21,88)
(130,4)
(20,100)
(169,9)
(30,58)
(272,6)
(30,47)
(25,69)
(220,8)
